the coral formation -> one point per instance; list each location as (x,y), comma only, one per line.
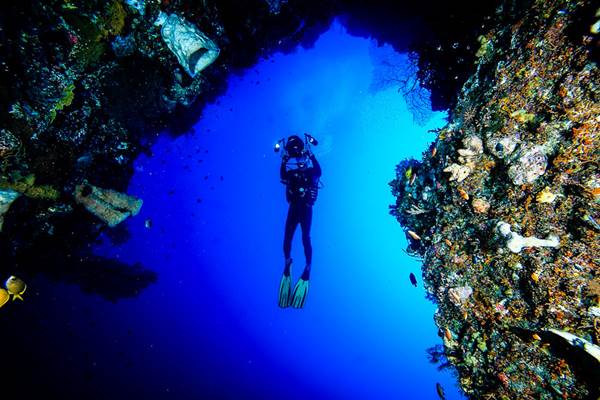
(26,185)
(9,144)
(516,242)
(533,103)
(7,197)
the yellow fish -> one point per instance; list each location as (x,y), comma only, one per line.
(408,173)
(414,235)
(4,296)
(16,287)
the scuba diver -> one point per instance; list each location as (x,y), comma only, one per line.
(300,172)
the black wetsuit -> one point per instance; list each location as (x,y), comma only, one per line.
(301,191)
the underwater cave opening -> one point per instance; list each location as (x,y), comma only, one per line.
(217,212)
(211,228)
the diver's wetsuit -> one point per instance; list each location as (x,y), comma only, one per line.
(300,209)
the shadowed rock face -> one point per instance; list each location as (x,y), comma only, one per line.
(530,256)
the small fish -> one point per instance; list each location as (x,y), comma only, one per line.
(448,243)
(535,277)
(413,279)
(536,336)
(463,194)
(448,334)
(148,223)
(414,235)
(16,287)
(454,296)
(440,391)
(433,152)
(4,297)
(412,179)
(408,173)
(84,160)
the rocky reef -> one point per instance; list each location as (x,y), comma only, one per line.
(503,209)
(85,87)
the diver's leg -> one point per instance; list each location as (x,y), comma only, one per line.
(291,223)
(301,289)
(285,285)
(305,224)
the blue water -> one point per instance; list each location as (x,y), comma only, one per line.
(210,327)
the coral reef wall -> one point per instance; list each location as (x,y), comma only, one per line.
(504,208)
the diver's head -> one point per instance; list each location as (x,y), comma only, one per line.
(294,146)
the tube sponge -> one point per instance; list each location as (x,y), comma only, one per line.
(194,50)
(516,242)
(110,206)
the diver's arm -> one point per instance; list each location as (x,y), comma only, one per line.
(282,170)
(316,166)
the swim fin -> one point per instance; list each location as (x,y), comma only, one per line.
(300,293)
(285,291)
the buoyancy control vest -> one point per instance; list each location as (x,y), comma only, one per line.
(301,186)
